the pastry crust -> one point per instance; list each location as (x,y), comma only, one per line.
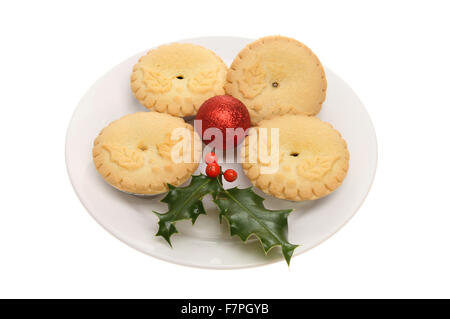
(133,153)
(177,78)
(277,75)
(313,158)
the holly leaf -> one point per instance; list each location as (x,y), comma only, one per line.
(247,216)
(185,203)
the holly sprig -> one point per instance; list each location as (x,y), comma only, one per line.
(185,203)
(247,216)
(242,208)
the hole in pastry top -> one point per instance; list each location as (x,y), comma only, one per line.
(180,77)
(142,147)
(294,154)
(275,84)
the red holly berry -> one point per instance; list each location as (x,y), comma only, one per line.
(230,175)
(213,170)
(210,158)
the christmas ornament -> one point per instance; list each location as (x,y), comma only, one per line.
(230,175)
(222,112)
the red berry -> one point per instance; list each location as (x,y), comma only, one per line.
(210,158)
(213,170)
(230,175)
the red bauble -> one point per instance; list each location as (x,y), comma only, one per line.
(222,112)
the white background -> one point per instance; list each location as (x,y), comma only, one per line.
(395,55)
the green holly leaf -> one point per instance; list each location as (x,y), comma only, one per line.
(247,216)
(185,203)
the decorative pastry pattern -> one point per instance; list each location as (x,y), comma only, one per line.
(203,82)
(125,157)
(253,81)
(156,82)
(165,148)
(316,167)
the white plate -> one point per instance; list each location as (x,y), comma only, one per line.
(207,243)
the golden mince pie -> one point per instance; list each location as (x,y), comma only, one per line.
(143,152)
(312,158)
(177,78)
(277,75)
